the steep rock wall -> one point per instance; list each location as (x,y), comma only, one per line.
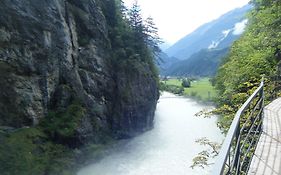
(54,53)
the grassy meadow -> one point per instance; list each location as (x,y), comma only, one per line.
(200,89)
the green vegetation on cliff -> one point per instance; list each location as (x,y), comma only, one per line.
(29,151)
(61,125)
(44,149)
(134,41)
(255,55)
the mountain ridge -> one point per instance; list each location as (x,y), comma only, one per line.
(199,39)
(201,64)
(205,48)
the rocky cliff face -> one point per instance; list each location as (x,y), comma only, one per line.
(54,53)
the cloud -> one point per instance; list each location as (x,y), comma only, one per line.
(240,27)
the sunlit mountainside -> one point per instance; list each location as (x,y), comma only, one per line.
(202,51)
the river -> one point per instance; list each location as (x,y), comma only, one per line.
(168,149)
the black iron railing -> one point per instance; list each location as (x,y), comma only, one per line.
(241,140)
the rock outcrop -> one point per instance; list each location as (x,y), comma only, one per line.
(54,53)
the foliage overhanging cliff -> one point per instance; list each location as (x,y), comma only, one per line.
(71,73)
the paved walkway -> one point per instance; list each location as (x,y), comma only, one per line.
(267,158)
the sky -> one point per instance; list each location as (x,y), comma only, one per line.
(177,18)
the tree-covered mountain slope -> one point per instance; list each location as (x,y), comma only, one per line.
(219,33)
(165,62)
(202,51)
(201,64)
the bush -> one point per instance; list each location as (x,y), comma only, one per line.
(186,83)
(28,151)
(171,88)
(63,124)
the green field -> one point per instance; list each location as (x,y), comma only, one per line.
(200,89)
(176,82)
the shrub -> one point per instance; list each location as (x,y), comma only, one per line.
(185,83)
(63,124)
(28,151)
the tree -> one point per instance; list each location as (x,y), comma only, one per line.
(123,9)
(152,38)
(185,83)
(145,32)
(136,21)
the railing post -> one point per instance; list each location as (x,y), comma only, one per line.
(261,106)
(237,152)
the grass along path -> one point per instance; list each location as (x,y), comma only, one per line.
(200,89)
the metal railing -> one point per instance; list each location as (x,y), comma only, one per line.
(239,145)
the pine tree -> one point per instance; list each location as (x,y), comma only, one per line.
(136,21)
(152,38)
(123,9)
(145,33)
(135,17)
